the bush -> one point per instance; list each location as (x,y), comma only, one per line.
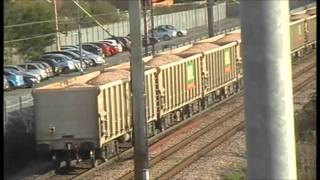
(20,12)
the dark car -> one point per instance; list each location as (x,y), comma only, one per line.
(54,65)
(64,62)
(88,47)
(75,56)
(147,40)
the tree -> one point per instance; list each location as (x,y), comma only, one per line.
(20,12)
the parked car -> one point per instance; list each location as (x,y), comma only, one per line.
(146,40)
(113,49)
(180,32)
(15,80)
(149,40)
(6,85)
(23,71)
(107,49)
(64,62)
(94,58)
(36,68)
(47,67)
(93,49)
(57,70)
(64,47)
(123,41)
(74,56)
(163,33)
(114,43)
(30,81)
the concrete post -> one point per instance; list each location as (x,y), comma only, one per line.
(268,90)
(80,39)
(152,26)
(138,99)
(210,18)
(57,26)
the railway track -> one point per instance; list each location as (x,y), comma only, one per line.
(82,170)
(159,165)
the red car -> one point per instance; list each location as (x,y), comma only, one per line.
(114,50)
(106,50)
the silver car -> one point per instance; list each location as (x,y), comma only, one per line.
(35,68)
(163,33)
(180,32)
(96,59)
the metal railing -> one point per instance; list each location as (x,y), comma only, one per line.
(18,110)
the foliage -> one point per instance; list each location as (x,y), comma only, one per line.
(236,175)
(26,11)
(102,10)
(19,12)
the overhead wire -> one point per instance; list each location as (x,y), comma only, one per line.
(33,37)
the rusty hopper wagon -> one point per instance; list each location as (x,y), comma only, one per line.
(87,113)
(302,32)
(91,114)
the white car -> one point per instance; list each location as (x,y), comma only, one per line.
(180,32)
(36,68)
(113,42)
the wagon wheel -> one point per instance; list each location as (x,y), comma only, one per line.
(94,162)
(56,163)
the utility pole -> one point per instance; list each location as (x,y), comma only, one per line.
(268,90)
(152,26)
(210,18)
(219,25)
(145,23)
(138,99)
(79,36)
(56,23)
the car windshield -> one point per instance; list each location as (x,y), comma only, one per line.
(171,27)
(8,73)
(72,54)
(15,71)
(17,68)
(41,66)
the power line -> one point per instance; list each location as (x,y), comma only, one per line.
(26,24)
(33,37)
(94,15)
(61,19)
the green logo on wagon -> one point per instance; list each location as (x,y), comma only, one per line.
(227,61)
(190,76)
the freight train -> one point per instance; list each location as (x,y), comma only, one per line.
(91,114)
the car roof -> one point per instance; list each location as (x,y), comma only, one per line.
(59,55)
